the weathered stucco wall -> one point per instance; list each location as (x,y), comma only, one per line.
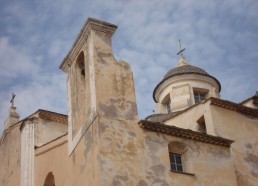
(243,130)
(130,156)
(10,157)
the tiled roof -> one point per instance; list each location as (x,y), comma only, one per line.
(185,69)
(161,117)
(254,98)
(214,101)
(53,116)
(184,133)
(234,106)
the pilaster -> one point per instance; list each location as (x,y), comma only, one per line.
(27,152)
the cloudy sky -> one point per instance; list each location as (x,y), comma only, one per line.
(219,36)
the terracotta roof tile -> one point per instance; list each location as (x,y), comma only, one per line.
(184,133)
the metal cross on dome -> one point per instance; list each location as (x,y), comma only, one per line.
(12,100)
(181,50)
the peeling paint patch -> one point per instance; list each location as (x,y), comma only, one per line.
(88,144)
(132,134)
(158,170)
(218,153)
(252,160)
(255,174)
(249,146)
(101,162)
(102,56)
(119,180)
(241,179)
(119,108)
(123,178)
(141,183)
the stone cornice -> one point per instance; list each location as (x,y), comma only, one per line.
(90,24)
(184,133)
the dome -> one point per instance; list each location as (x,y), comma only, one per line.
(183,68)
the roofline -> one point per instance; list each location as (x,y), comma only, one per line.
(153,94)
(234,106)
(248,99)
(184,133)
(42,116)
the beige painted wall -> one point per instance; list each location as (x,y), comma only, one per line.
(232,125)
(188,119)
(243,130)
(79,169)
(10,157)
(46,130)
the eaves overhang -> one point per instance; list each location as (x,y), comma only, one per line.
(184,133)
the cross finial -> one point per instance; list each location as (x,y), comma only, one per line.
(181,50)
(12,99)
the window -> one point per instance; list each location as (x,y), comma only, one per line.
(179,160)
(201,125)
(168,105)
(176,162)
(199,96)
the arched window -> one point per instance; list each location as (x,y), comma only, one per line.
(80,64)
(50,180)
(78,93)
(179,156)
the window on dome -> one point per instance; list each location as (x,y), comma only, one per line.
(168,106)
(199,96)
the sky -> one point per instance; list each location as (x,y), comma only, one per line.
(220,36)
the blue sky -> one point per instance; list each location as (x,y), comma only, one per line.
(219,36)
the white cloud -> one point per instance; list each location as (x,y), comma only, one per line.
(219,36)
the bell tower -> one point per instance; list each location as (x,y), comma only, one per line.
(98,85)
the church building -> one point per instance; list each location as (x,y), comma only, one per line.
(194,138)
